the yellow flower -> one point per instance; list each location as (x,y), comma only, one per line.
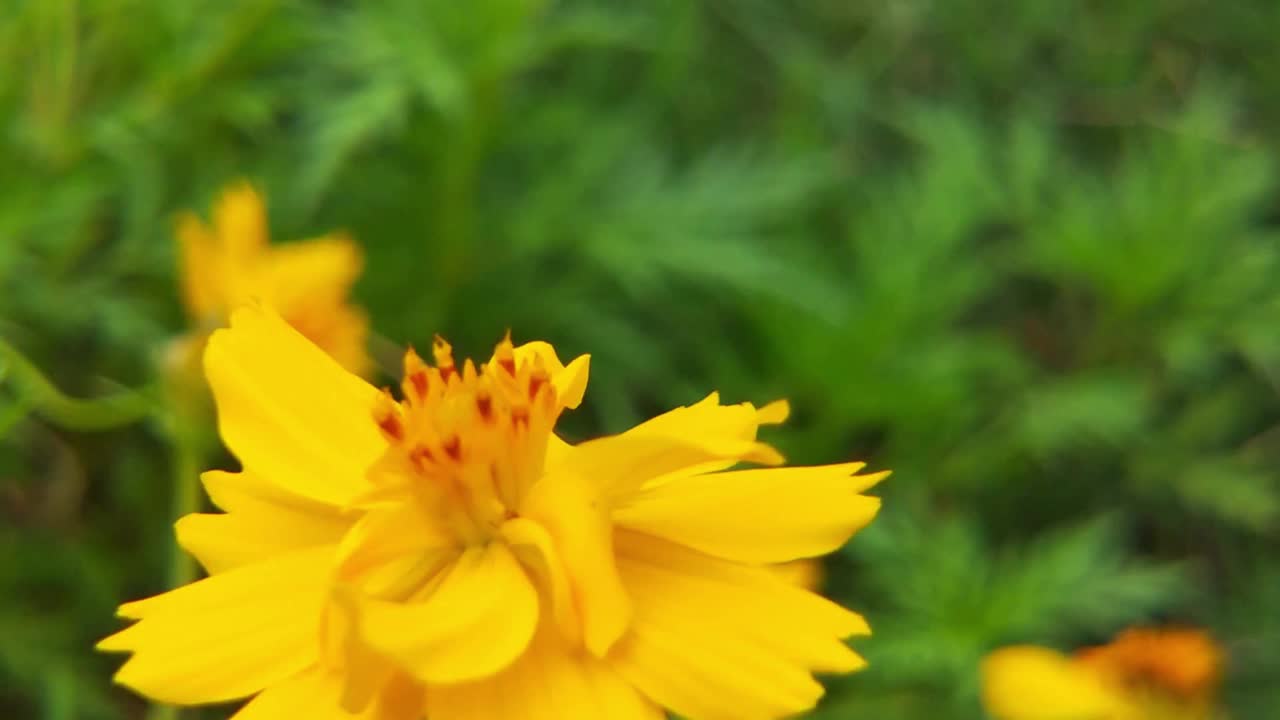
(1143,674)
(447,556)
(232,264)
(1183,662)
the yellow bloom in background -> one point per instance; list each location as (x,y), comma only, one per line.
(232,264)
(1025,682)
(1184,662)
(447,556)
(1143,674)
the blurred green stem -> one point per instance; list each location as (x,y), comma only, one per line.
(187,460)
(186,439)
(36,391)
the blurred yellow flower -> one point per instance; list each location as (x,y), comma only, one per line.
(1184,662)
(447,556)
(1143,674)
(232,263)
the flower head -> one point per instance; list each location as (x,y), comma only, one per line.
(232,264)
(1143,674)
(1181,662)
(445,555)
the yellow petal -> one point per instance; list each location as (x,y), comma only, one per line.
(361,671)
(338,328)
(570,381)
(300,273)
(700,438)
(557,450)
(715,640)
(549,682)
(246,493)
(200,269)
(621,465)
(227,636)
(1034,683)
(570,508)
(713,423)
(757,516)
(400,699)
(367,680)
(805,574)
(307,283)
(706,417)
(240,219)
(262,522)
(222,542)
(289,412)
(314,693)
(475,623)
(534,548)
(394,551)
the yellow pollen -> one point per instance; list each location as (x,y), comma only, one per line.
(470,443)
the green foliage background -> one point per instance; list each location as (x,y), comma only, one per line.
(1025,254)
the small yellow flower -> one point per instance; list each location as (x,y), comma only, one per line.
(1183,662)
(1143,674)
(232,264)
(447,556)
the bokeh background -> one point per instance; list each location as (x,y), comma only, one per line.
(1024,254)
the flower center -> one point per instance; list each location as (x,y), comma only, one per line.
(468,443)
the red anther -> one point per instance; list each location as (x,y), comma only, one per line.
(536,382)
(504,354)
(391,427)
(421,456)
(420,382)
(453,448)
(386,414)
(484,406)
(508,363)
(443,353)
